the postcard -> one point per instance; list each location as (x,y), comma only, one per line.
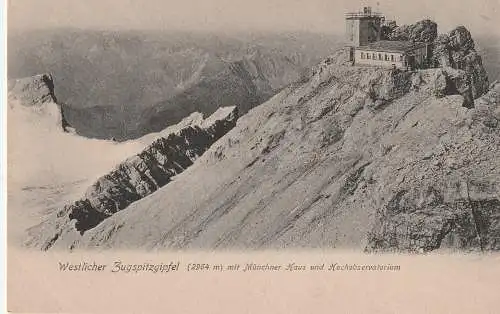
(266,156)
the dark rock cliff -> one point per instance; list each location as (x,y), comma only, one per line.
(245,83)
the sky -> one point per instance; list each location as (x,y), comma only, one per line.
(479,16)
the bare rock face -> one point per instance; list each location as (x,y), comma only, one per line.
(422,31)
(456,50)
(460,210)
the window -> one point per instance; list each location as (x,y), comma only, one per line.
(362,55)
(400,58)
(392,58)
(368,56)
(380,56)
(386,57)
(374,56)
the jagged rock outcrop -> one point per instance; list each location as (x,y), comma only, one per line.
(37,93)
(463,215)
(457,50)
(454,52)
(33,91)
(142,174)
(422,31)
(151,169)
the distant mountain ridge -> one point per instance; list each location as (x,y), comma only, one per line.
(489,48)
(108,81)
(245,83)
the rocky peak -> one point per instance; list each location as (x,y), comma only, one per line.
(456,50)
(349,157)
(37,92)
(32,91)
(460,39)
(453,51)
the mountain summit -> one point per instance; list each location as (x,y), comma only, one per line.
(351,157)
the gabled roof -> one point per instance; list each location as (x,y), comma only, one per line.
(392,46)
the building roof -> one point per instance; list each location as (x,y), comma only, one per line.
(366,13)
(392,46)
(361,15)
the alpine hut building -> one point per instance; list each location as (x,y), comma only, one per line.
(365,47)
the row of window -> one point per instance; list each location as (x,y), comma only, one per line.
(381,56)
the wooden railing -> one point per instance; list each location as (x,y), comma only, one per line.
(363,14)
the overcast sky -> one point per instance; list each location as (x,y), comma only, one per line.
(480,16)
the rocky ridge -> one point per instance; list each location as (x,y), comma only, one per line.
(141,175)
(352,157)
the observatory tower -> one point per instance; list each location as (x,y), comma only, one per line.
(363,27)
